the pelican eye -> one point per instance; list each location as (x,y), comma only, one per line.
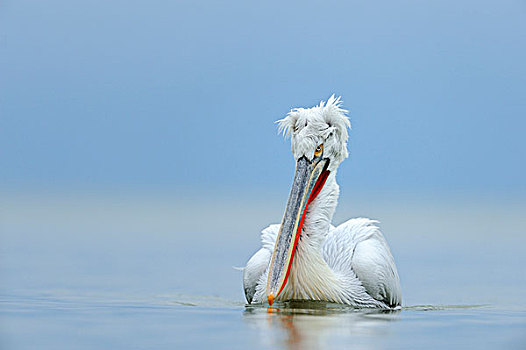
(318,151)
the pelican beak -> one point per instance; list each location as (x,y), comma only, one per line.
(308,182)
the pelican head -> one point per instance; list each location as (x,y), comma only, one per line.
(319,144)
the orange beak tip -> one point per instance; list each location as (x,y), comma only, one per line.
(270,300)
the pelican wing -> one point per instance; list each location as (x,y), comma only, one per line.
(255,270)
(358,248)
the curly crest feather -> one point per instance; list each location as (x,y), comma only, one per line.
(326,124)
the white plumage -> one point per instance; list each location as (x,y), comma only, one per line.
(349,264)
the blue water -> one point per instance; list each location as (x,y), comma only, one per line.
(139,272)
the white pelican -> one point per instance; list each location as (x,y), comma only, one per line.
(306,258)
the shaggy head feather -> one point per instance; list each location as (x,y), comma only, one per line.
(325,124)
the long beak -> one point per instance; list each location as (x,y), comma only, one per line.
(308,182)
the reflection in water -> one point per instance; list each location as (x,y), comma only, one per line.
(303,325)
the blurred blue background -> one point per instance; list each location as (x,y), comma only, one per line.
(139,161)
(137,95)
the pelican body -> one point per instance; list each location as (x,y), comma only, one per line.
(305,257)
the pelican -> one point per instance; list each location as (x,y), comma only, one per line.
(305,257)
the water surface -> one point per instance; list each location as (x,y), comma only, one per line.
(98,271)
